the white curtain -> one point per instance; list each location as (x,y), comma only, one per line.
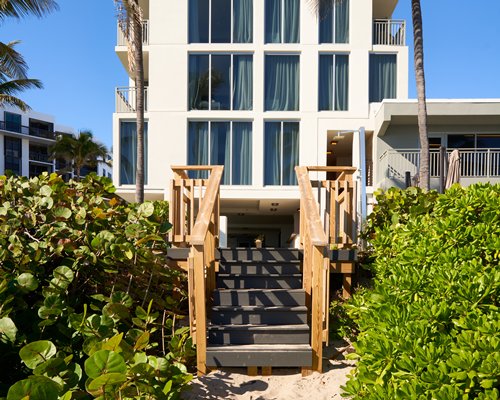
(242,153)
(291,21)
(341,82)
(242,82)
(220,151)
(198,21)
(282,83)
(198,147)
(325,82)
(290,152)
(273,21)
(382,77)
(342,21)
(242,21)
(272,153)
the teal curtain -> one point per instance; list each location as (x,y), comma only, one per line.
(220,152)
(273,21)
(242,82)
(291,21)
(382,77)
(325,82)
(341,82)
(342,21)
(290,152)
(242,21)
(272,153)
(282,83)
(242,153)
(198,147)
(128,152)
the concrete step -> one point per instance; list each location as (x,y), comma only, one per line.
(260,355)
(258,334)
(280,315)
(263,254)
(260,297)
(260,267)
(267,281)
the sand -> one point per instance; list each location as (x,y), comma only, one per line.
(284,383)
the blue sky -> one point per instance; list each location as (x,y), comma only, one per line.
(72,52)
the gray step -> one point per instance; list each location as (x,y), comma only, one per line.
(259,355)
(269,281)
(259,315)
(260,297)
(260,267)
(264,254)
(258,334)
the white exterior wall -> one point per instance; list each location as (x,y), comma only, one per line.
(168,114)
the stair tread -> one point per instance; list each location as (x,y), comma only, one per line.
(255,275)
(258,308)
(257,347)
(226,261)
(259,327)
(259,290)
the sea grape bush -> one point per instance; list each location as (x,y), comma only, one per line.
(87,305)
(430,328)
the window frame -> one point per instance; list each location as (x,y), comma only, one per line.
(146,152)
(334,54)
(8,158)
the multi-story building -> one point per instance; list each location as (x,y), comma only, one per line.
(261,86)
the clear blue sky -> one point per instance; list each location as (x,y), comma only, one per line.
(72,52)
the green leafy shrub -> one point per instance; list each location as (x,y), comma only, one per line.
(87,304)
(429,328)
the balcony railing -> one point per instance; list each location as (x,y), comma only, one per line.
(389,32)
(26,130)
(40,157)
(474,163)
(122,41)
(126,99)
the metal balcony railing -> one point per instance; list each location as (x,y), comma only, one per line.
(126,99)
(26,130)
(389,32)
(122,41)
(40,157)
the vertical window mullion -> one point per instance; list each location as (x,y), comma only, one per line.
(232,21)
(231,152)
(282,21)
(209,82)
(231,83)
(209,22)
(334,88)
(281,152)
(334,25)
(209,147)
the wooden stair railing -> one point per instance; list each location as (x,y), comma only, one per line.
(316,238)
(202,236)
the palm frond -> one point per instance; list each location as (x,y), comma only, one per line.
(129,17)
(13,87)
(12,63)
(322,7)
(8,100)
(22,8)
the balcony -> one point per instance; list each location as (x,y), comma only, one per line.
(40,157)
(126,99)
(389,32)
(122,41)
(26,130)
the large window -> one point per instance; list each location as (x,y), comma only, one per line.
(12,122)
(13,153)
(220,21)
(282,21)
(382,77)
(333,82)
(227,143)
(282,83)
(128,152)
(281,152)
(334,22)
(220,82)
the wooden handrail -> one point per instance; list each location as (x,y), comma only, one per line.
(331,169)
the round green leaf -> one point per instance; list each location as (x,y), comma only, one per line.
(45,190)
(103,362)
(50,367)
(27,281)
(34,388)
(35,353)
(62,212)
(63,276)
(8,329)
(146,209)
(112,378)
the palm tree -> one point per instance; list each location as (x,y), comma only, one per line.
(80,151)
(130,23)
(13,78)
(418,46)
(22,8)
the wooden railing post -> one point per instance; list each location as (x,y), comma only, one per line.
(200,310)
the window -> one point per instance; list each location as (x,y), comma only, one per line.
(36,170)
(334,22)
(128,152)
(333,82)
(282,83)
(220,21)
(13,153)
(382,77)
(281,152)
(282,21)
(220,81)
(12,122)
(227,143)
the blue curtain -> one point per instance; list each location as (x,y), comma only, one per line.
(291,21)
(325,82)
(272,153)
(290,152)
(382,77)
(242,153)
(325,23)
(128,152)
(242,82)
(334,22)
(342,21)
(198,21)
(242,21)
(198,85)
(198,147)
(273,21)
(282,83)
(341,82)
(220,151)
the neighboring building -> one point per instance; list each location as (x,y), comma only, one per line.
(263,85)
(25,141)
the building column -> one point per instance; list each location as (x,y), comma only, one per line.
(2,154)
(25,160)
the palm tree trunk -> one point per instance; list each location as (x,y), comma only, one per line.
(418,44)
(139,87)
